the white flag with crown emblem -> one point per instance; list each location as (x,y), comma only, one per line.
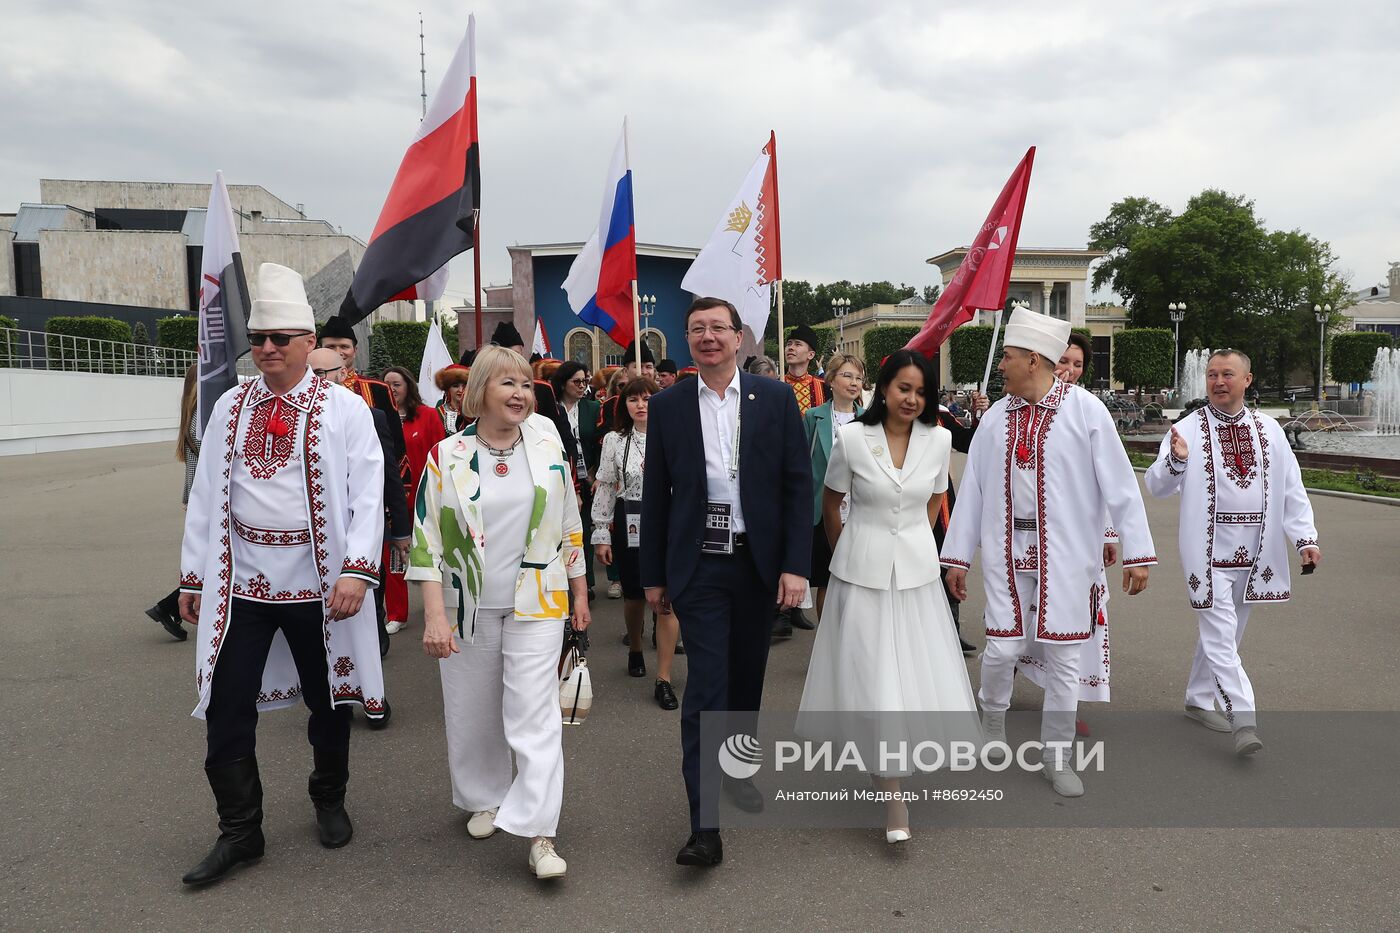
(733,265)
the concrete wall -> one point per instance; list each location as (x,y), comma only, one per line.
(7,256)
(43,411)
(150,195)
(129,267)
(307,253)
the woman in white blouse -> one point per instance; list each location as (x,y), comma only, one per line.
(617,517)
(886,647)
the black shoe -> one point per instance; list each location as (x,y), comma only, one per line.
(744,795)
(798,618)
(383,642)
(591,595)
(380,722)
(703,849)
(782,626)
(238,798)
(168,622)
(326,787)
(680,647)
(966,648)
(636,664)
(665,696)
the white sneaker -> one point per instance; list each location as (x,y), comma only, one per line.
(482,825)
(393,627)
(994,730)
(1208,718)
(1063,779)
(614,591)
(1247,742)
(544,861)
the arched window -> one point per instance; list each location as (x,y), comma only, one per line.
(609,351)
(578,346)
(656,342)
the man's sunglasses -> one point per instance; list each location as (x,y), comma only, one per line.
(278,340)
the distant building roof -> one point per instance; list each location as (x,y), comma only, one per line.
(32,218)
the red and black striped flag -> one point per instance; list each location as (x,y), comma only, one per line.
(430,213)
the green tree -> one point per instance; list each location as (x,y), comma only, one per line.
(1243,284)
(1142,358)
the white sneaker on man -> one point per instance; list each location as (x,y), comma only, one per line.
(1247,742)
(1208,718)
(1063,779)
(394,627)
(994,730)
(544,861)
(614,590)
(482,825)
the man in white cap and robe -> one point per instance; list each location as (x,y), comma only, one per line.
(282,538)
(1043,467)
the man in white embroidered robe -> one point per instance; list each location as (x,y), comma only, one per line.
(1243,506)
(1045,465)
(282,539)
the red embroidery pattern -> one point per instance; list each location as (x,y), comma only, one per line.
(1016,629)
(1194,582)
(1239,518)
(1028,422)
(1305,542)
(275,694)
(1208,462)
(1237,453)
(1029,562)
(1135,561)
(1240,558)
(194,581)
(259,589)
(272,537)
(1250,594)
(271,438)
(343,666)
(361,565)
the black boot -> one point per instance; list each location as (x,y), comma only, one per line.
(238,797)
(327,789)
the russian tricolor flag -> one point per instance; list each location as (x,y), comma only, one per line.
(599,284)
(430,213)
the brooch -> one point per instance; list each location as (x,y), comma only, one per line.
(877,450)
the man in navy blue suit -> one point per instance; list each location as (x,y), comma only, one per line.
(726,515)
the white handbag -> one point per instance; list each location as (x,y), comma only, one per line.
(575,684)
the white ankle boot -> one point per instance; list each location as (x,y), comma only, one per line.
(1062,778)
(544,861)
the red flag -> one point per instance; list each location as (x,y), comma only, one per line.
(769,243)
(430,212)
(981,280)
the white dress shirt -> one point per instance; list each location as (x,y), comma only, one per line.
(719,416)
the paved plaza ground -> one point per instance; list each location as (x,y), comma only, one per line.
(103,804)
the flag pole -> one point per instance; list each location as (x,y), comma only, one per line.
(992,350)
(636,297)
(476,274)
(779,283)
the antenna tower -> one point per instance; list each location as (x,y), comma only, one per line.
(422,64)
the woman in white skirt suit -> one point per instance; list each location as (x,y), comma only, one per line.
(886,660)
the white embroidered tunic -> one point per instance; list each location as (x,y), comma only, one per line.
(1037,476)
(1242,502)
(267,503)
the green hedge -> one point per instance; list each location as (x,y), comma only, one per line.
(879,342)
(6,340)
(1142,358)
(82,356)
(1352,354)
(968,361)
(178,333)
(400,343)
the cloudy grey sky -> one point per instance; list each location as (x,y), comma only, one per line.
(897,122)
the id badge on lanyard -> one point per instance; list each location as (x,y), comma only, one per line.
(632,513)
(581,468)
(719,529)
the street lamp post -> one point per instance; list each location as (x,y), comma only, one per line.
(1177,310)
(646,308)
(840,307)
(1321,313)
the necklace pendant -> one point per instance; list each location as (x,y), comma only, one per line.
(502,468)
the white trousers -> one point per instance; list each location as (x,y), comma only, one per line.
(1217,678)
(500,695)
(1061,669)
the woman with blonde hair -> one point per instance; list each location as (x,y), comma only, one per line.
(498,552)
(167,611)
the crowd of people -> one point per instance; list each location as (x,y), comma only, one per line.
(722,500)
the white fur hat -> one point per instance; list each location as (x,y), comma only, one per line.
(1037,332)
(281,303)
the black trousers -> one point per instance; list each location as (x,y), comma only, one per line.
(170,604)
(232,715)
(726,617)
